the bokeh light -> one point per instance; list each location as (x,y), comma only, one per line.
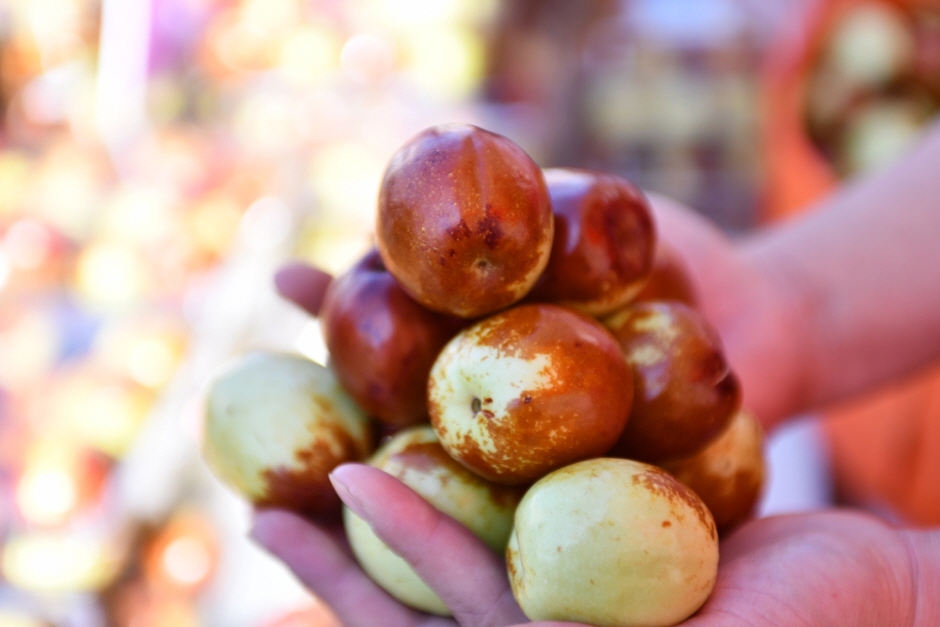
(187,561)
(52,562)
(111,274)
(309,55)
(46,495)
(368,58)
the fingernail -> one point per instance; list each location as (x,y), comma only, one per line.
(346,494)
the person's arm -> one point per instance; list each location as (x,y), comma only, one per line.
(864,269)
(924,547)
(832,303)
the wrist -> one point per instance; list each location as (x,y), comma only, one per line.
(924,550)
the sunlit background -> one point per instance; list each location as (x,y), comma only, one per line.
(159,159)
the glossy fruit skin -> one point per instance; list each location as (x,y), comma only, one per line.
(728,474)
(602,254)
(464,220)
(612,543)
(685,391)
(529,390)
(415,457)
(381,342)
(669,279)
(276,425)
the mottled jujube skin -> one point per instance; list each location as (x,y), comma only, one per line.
(612,543)
(728,474)
(529,390)
(685,391)
(604,243)
(382,343)
(276,425)
(464,220)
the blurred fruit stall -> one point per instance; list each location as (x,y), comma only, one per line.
(850,93)
(847,94)
(159,159)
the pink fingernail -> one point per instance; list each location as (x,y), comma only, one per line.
(346,494)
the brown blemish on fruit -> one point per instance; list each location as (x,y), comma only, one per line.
(306,488)
(662,483)
(511,565)
(577,415)
(458,232)
(490,229)
(666,523)
(728,474)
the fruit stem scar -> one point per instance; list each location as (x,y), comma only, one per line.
(476,405)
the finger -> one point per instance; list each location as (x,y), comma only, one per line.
(457,565)
(303,285)
(321,564)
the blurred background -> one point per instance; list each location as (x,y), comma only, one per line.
(159,159)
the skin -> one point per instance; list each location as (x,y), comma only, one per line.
(382,343)
(529,390)
(276,425)
(686,393)
(603,249)
(812,311)
(669,279)
(614,542)
(464,220)
(728,474)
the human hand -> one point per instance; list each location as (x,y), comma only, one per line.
(469,577)
(304,285)
(828,568)
(833,568)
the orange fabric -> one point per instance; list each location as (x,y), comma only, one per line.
(885,448)
(796,174)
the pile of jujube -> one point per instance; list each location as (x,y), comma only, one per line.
(536,367)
